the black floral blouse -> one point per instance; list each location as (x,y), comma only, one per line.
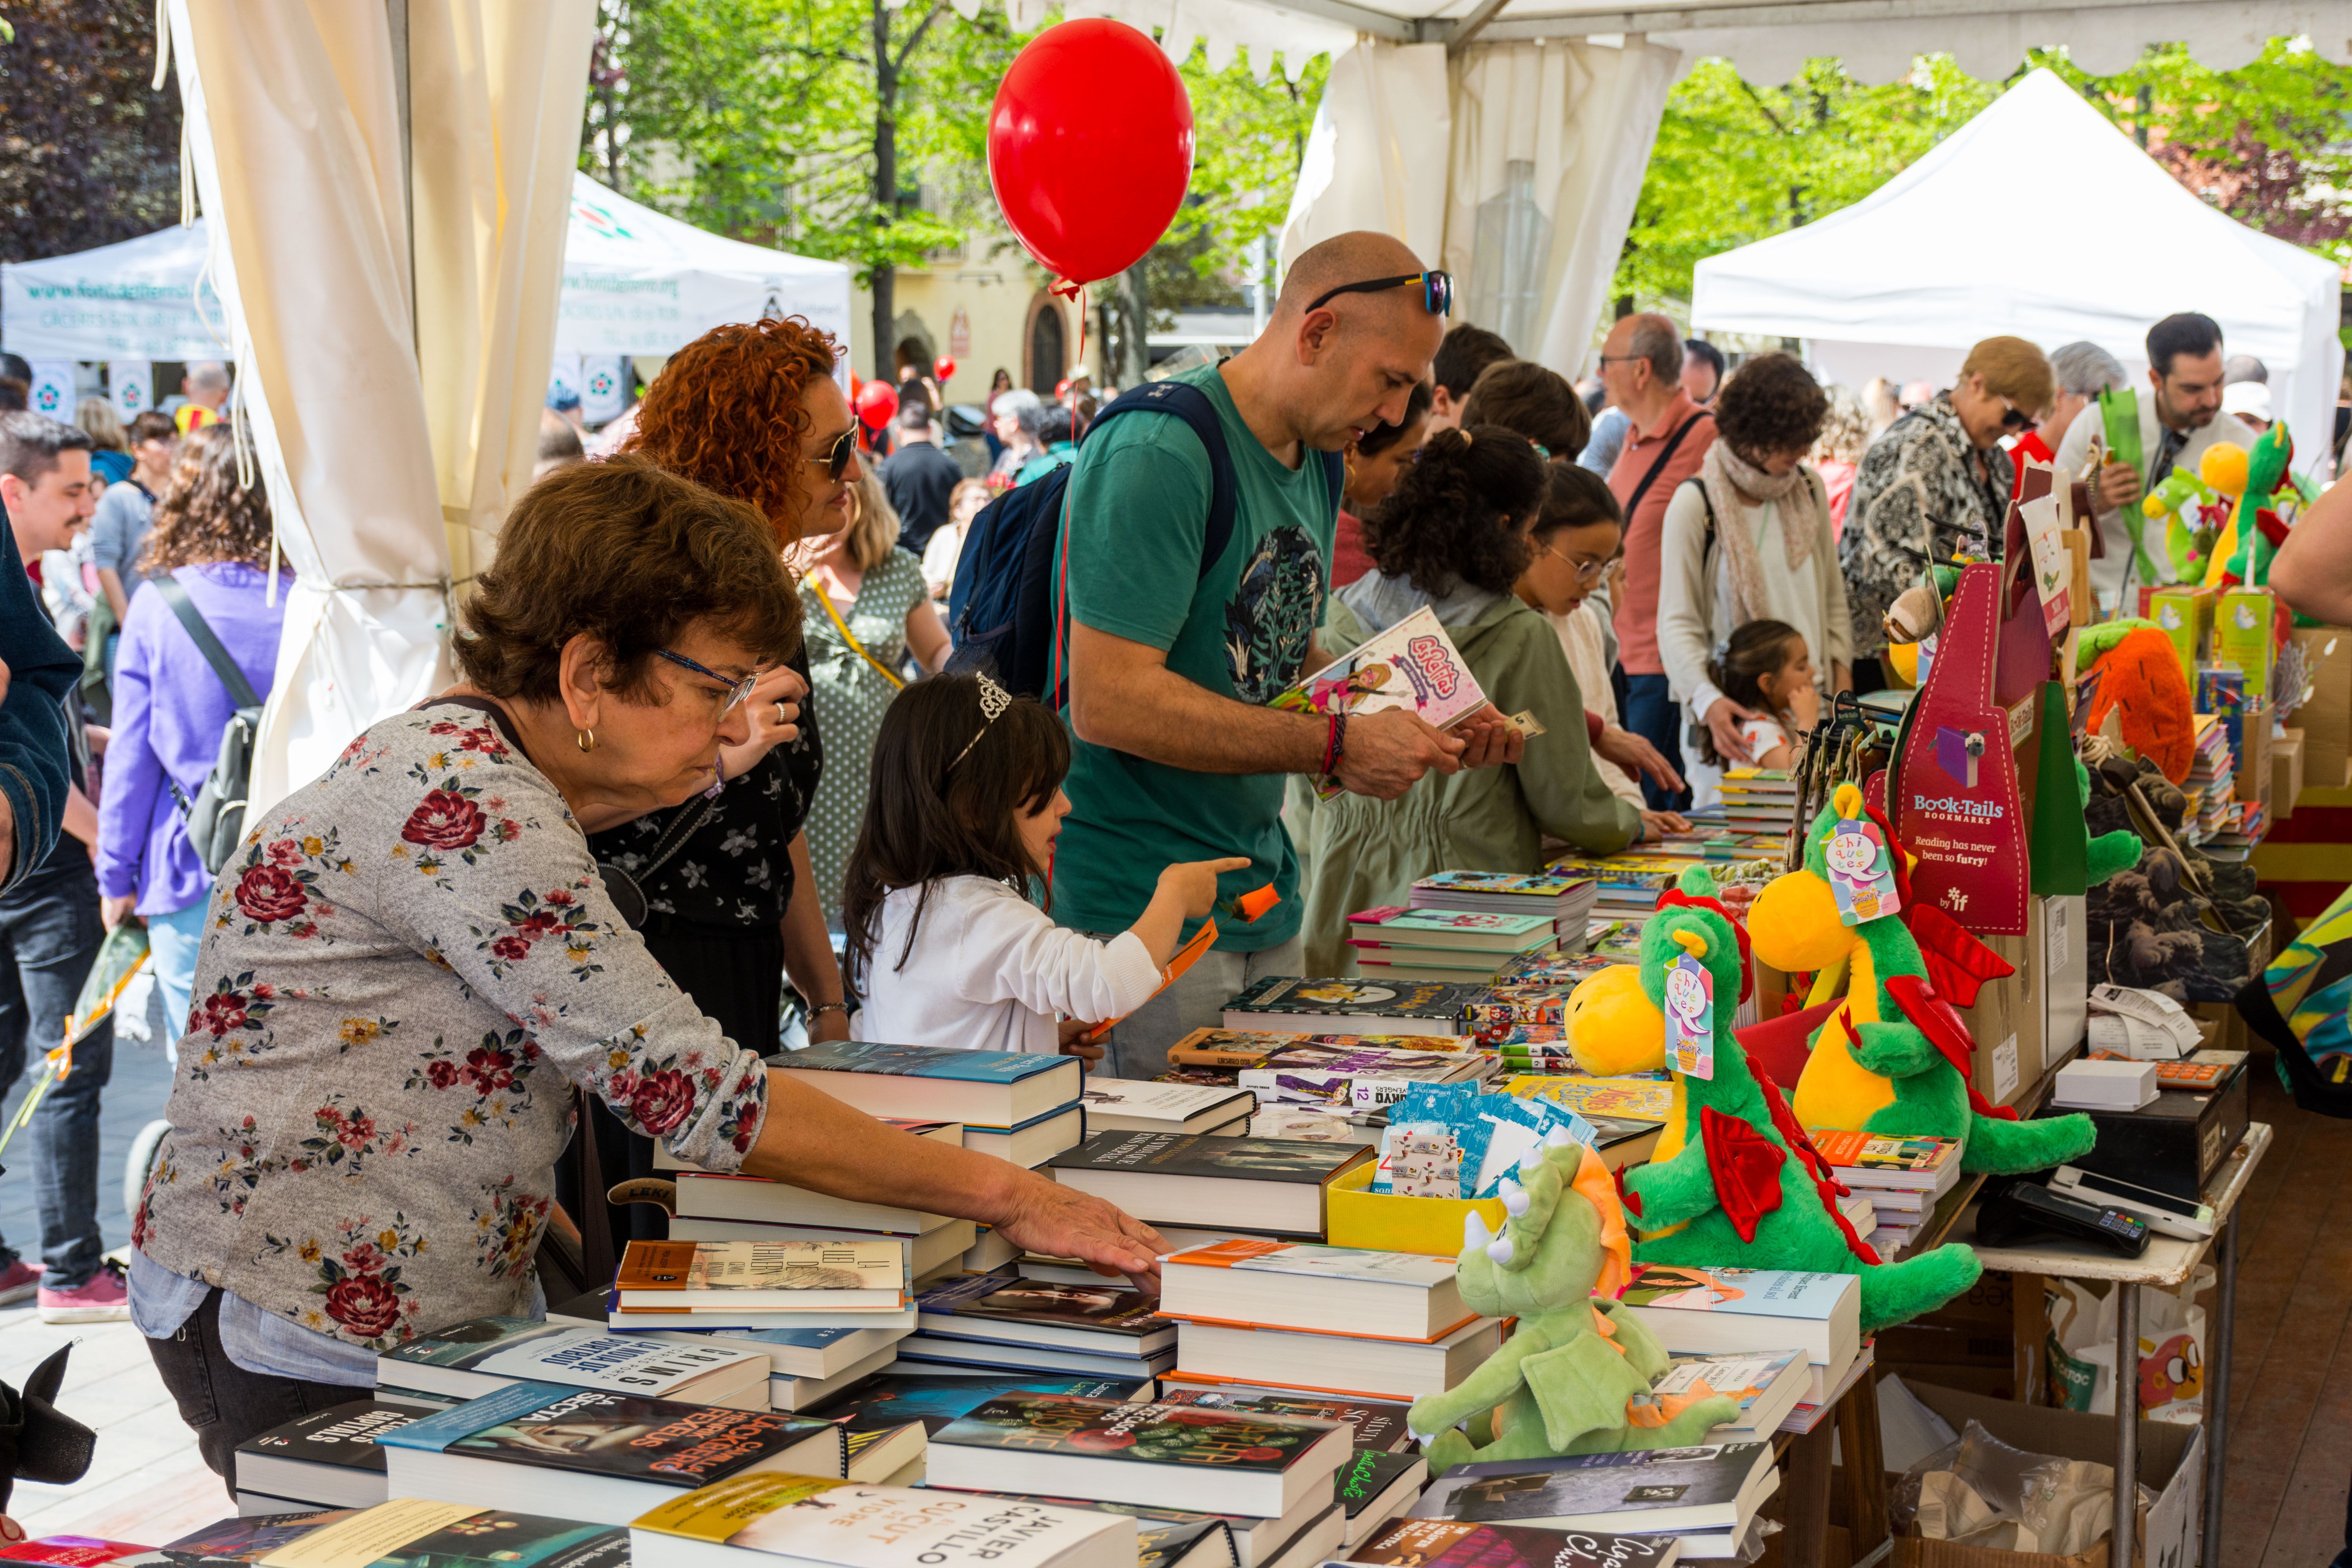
(736,870)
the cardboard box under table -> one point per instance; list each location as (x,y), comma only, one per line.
(2168,1263)
(2170,1464)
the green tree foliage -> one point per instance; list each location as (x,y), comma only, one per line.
(1249,134)
(1735,163)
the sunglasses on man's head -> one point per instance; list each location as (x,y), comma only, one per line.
(836,457)
(1436,290)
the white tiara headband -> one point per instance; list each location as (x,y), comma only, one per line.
(994,700)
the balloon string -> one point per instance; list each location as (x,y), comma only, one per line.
(1076,292)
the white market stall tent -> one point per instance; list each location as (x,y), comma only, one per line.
(635,281)
(1958,247)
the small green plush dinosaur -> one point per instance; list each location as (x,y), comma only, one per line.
(1744,1186)
(1574,1378)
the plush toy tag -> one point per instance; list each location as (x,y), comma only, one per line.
(1690,1018)
(1860,873)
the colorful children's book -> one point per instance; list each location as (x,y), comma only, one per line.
(1248,1047)
(1477,931)
(1644,1098)
(1876,1160)
(1413,665)
(1381,1007)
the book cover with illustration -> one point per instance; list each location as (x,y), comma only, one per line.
(1156,1434)
(1742,1378)
(1105,1308)
(1164,1536)
(808,1519)
(1156,1101)
(1413,665)
(1665,1481)
(596,1433)
(1249,1048)
(1546,884)
(1252,1256)
(1625,1099)
(1368,1473)
(1278,994)
(896,1399)
(1202,1154)
(1754,1292)
(659,1269)
(547,1353)
(916,1061)
(1880,1152)
(237,1541)
(1379,1424)
(411,1532)
(1450,1543)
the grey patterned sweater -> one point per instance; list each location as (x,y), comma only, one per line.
(404,973)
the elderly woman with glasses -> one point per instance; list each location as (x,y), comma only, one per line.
(414,965)
(1749,539)
(1936,483)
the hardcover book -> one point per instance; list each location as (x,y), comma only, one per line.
(1240,1183)
(482,1355)
(1182,1456)
(597,1457)
(1446,1543)
(1373,1487)
(777,1276)
(1334,1289)
(810,1521)
(241,1541)
(1378,1424)
(1750,1309)
(1508,884)
(899,1399)
(1043,1311)
(1378,1007)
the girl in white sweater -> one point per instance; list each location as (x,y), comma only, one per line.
(944,944)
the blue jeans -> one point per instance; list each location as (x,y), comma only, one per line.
(1652,712)
(49,934)
(172,944)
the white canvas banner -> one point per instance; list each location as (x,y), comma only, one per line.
(604,387)
(131,383)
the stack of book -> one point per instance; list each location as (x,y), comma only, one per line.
(1755,1311)
(1393,942)
(1275,1469)
(1323,1320)
(1759,803)
(992,1324)
(1624,885)
(1767,1386)
(1705,1498)
(1530,993)
(1901,1178)
(1351,1006)
(484,1356)
(1125,1105)
(2212,784)
(1268,1187)
(1563,898)
(328,1458)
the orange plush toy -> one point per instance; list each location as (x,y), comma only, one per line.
(2141,680)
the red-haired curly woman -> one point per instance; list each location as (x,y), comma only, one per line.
(750,410)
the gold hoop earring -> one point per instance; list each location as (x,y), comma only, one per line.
(586,739)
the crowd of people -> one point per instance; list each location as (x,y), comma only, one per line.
(704,772)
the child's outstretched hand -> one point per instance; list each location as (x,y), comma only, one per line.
(1073,1043)
(1192,884)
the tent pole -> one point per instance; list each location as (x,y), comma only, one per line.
(395,16)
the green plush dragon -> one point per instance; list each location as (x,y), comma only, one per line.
(1895,1058)
(1734,1182)
(1574,1378)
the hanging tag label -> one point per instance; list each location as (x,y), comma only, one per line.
(1860,873)
(1690,1019)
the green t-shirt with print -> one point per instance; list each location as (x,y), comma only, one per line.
(1138,517)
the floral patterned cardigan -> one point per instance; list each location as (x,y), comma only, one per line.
(404,975)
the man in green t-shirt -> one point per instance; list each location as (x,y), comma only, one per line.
(1177,755)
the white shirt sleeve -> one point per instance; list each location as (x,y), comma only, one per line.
(1007,949)
(1685,599)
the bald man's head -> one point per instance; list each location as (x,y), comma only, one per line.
(1357,257)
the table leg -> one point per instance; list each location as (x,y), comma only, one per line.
(2216,1387)
(1806,1485)
(1865,1466)
(2126,1424)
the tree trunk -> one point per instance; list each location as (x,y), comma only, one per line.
(885,191)
(1135,321)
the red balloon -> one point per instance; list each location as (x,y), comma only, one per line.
(876,402)
(1090,147)
(943,368)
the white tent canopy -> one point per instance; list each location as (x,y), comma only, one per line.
(635,282)
(1957,249)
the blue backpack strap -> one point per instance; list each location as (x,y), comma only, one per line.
(1190,404)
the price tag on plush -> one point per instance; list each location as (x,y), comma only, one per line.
(1690,1019)
(1861,875)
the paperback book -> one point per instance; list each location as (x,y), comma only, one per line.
(1731,1309)
(1181,1455)
(418,1532)
(1648,1492)
(1123,1105)
(1357,1005)
(1874,1159)
(1766,1385)
(931,1401)
(987,1089)
(1459,931)
(242,1540)
(1645,1099)
(1358,1079)
(1559,895)
(1449,1543)
(1378,1424)
(1248,1047)
(845,1275)
(483,1354)
(602,1458)
(328,1457)
(1373,1487)
(1335,1290)
(1242,1184)
(807,1519)
(1412,665)
(1106,1318)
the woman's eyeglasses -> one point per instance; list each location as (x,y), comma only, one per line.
(1436,290)
(737,691)
(836,457)
(2012,417)
(1586,571)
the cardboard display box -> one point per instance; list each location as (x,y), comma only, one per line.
(2029,1021)
(2171,1464)
(2286,771)
(2326,719)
